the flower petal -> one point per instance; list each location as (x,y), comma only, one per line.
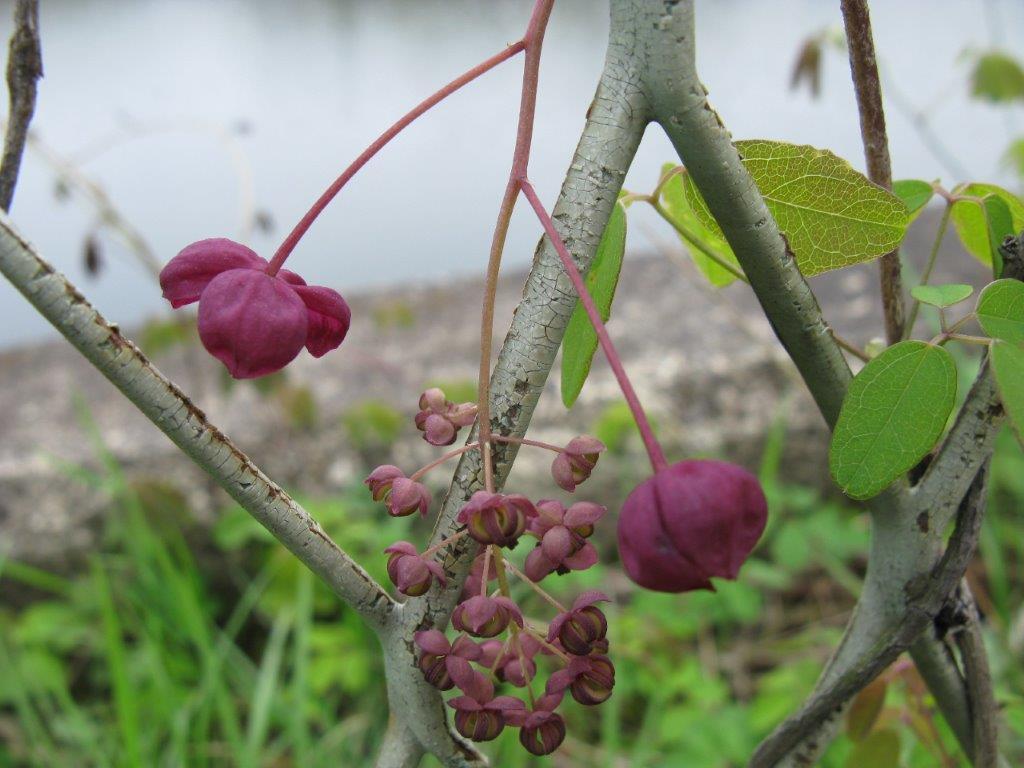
(253,323)
(185,276)
(433,641)
(329,318)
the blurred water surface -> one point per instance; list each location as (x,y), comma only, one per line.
(136,90)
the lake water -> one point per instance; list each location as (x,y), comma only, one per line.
(141,92)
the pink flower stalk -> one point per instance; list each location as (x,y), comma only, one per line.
(563,533)
(253,321)
(690,522)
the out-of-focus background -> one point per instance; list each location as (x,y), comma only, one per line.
(146,621)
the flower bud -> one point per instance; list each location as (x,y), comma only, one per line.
(440,420)
(381,479)
(483,616)
(410,572)
(576,461)
(582,627)
(495,518)
(590,679)
(542,733)
(407,496)
(694,520)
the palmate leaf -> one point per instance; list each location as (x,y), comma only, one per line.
(942,296)
(893,413)
(832,215)
(1008,366)
(1000,310)
(914,193)
(580,341)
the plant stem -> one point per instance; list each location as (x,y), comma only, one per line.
(532,42)
(24,68)
(534,586)
(487,565)
(524,441)
(849,347)
(908,329)
(868,89)
(654,451)
(694,239)
(499,570)
(437,462)
(304,224)
(444,543)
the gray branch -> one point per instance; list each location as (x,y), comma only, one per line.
(168,408)
(24,68)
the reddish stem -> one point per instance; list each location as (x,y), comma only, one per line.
(654,451)
(524,441)
(436,462)
(532,41)
(300,229)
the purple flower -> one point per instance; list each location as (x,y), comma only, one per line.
(583,627)
(403,496)
(692,521)
(541,731)
(496,518)
(440,419)
(253,322)
(483,616)
(562,534)
(474,581)
(590,679)
(576,461)
(444,664)
(410,572)
(481,716)
(512,661)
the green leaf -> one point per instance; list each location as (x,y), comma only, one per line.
(879,750)
(1008,366)
(941,295)
(914,193)
(893,413)
(580,340)
(831,215)
(682,217)
(971,222)
(997,77)
(1000,225)
(865,708)
(1001,310)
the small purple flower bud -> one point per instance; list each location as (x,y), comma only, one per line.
(381,479)
(407,496)
(474,583)
(410,572)
(495,518)
(440,420)
(576,461)
(562,534)
(483,616)
(542,733)
(582,627)
(687,523)
(445,665)
(590,679)
(482,718)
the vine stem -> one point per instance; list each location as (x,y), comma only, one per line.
(534,586)
(442,459)
(654,451)
(908,329)
(532,41)
(329,194)
(524,441)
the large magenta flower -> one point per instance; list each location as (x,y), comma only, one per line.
(692,521)
(253,322)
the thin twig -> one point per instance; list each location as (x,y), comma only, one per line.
(24,68)
(978,679)
(866,84)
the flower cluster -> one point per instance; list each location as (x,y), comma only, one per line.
(498,643)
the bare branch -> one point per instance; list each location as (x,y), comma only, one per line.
(868,88)
(979,685)
(24,68)
(170,410)
(925,599)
